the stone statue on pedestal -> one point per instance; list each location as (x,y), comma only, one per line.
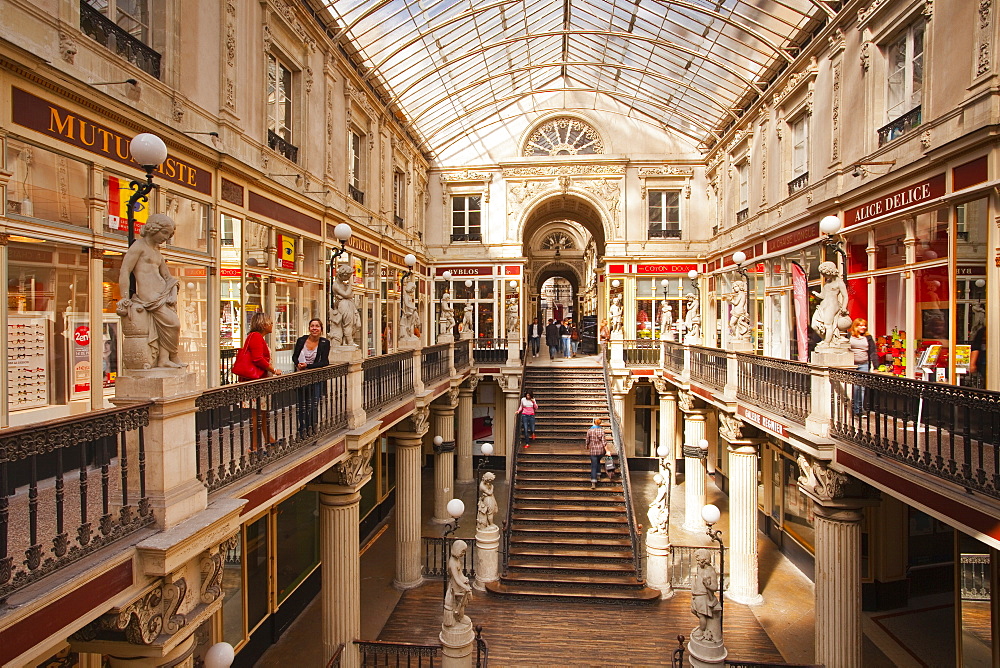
(830,319)
(344,317)
(739,316)
(513,318)
(459,591)
(615,314)
(150,323)
(486,509)
(447,314)
(692,318)
(467,314)
(659,513)
(705,604)
(409,320)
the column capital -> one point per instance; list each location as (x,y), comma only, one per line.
(831,488)
(748,446)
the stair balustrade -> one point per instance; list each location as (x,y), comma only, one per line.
(637,550)
(506,525)
(376,653)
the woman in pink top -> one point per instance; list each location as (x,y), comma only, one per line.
(527,412)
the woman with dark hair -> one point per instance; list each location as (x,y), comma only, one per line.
(865,353)
(527,412)
(311,351)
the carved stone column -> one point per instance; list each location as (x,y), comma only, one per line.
(668,417)
(443,415)
(339,551)
(409,442)
(694,470)
(838,511)
(463,439)
(743,563)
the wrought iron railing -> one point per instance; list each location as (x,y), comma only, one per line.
(106,32)
(242,426)
(742,215)
(482,649)
(673,356)
(709,367)
(434,362)
(974,577)
(282,146)
(798,183)
(642,352)
(48,523)
(387,378)
(663,234)
(435,563)
(490,351)
(462,354)
(378,653)
(950,432)
(506,525)
(765,664)
(334,661)
(227,356)
(682,565)
(900,126)
(637,552)
(780,386)
(356,194)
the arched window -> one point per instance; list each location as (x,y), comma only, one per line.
(564,136)
(557,241)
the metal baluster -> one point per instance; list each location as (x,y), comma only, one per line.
(143,501)
(34,551)
(83,531)
(59,543)
(123,465)
(6,561)
(102,448)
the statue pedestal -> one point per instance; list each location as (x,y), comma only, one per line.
(741,346)
(458,644)
(408,343)
(514,351)
(617,352)
(657,564)
(346,353)
(446,338)
(487,556)
(703,653)
(838,357)
(690,340)
(467,334)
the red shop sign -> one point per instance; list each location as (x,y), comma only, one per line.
(896,201)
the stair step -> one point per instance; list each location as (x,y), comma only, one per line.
(589,539)
(532,589)
(568,521)
(569,555)
(521,507)
(598,577)
(525,496)
(527,563)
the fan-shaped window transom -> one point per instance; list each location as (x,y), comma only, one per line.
(564,136)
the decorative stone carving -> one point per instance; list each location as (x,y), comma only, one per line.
(866,55)
(356,468)
(465,177)
(267,38)
(472,383)
(739,316)
(67,48)
(984,38)
(562,170)
(730,427)
(705,603)
(453,395)
(658,512)
(177,110)
(692,317)
(609,193)
(420,419)
(831,319)
(685,400)
(793,82)
(925,139)
(820,480)
(661,385)
(486,509)
(837,40)
(518,194)
(513,321)
(563,136)
(409,319)
(211,565)
(145,619)
(447,314)
(835,114)
(308,79)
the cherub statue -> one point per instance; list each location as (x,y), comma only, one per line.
(467,317)
(739,316)
(459,591)
(409,320)
(830,319)
(447,313)
(692,317)
(615,314)
(487,506)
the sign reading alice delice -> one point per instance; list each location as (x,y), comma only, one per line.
(918,193)
(36,114)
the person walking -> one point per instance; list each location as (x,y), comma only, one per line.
(564,336)
(527,411)
(865,353)
(574,337)
(311,351)
(605,333)
(595,446)
(552,338)
(255,364)
(535,336)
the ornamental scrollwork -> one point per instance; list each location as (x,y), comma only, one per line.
(211,565)
(685,400)
(356,468)
(819,479)
(145,619)
(421,420)
(730,427)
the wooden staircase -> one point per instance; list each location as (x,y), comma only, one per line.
(566,539)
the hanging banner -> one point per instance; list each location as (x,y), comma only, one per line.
(286,250)
(119,194)
(800,295)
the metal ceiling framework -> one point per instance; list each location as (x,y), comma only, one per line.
(455,66)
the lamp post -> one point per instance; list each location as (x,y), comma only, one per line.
(711,514)
(456,508)
(411,261)
(220,655)
(831,226)
(739,257)
(693,276)
(149,151)
(343,232)
(487,450)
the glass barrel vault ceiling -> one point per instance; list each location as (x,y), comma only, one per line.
(452,66)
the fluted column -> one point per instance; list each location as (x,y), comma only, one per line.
(668,423)
(743,585)
(408,534)
(341,593)
(694,471)
(443,425)
(838,586)
(463,439)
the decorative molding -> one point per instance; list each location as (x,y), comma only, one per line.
(665,170)
(820,480)
(730,427)
(177,109)
(563,136)
(67,47)
(925,139)
(519,193)
(794,82)
(144,620)
(837,40)
(984,39)
(308,76)
(661,385)
(212,565)
(421,420)
(866,55)
(471,383)
(685,400)
(465,177)
(835,114)
(357,467)
(268,40)
(562,170)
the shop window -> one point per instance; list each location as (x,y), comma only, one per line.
(233,590)
(257,573)
(931,232)
(888,324)
(285,325)
(229,233)
(933,323)
(971,225)
(231,327)
(279,108)
(857,251)
(297,541)
(890,248)
(355,175)
(664,214)
(466,211)
(904,57)
(190,222)
(398,197)
(46,185)
(798,508)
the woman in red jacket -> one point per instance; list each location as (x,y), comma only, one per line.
(260,357)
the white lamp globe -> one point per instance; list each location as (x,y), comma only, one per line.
(438,440)
(710,513)
(664,283)
(692,274)
(615,283)
(456,508)
(830,225)
(663,452)
(147,149)
(468,282)
(487,449)
(410,260)
(220,655)
(980,283)
(512,284)
(703,444)
(343,232)
(739,257)
(446,275)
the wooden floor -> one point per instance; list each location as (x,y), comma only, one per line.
(528,632)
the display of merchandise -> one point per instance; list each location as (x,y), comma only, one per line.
(27,373)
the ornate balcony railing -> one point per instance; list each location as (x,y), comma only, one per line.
(950,432)
(227,356)
(742,215)
(434,567)
(709,367)
(798,183)
(780,386)
(663,234)
(381,653)
(673,355)
(106,32)
(356,194)
(48,523)
(434,362)
(398,221)
(242,426)
(642,352)
(900,126)
(283,147)
(462,354)
(490,351)
(387,378)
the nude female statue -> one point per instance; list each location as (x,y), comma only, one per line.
(344,317)
(459,591)
(832,310)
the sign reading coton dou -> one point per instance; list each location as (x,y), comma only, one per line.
(52,120)
(918,193)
